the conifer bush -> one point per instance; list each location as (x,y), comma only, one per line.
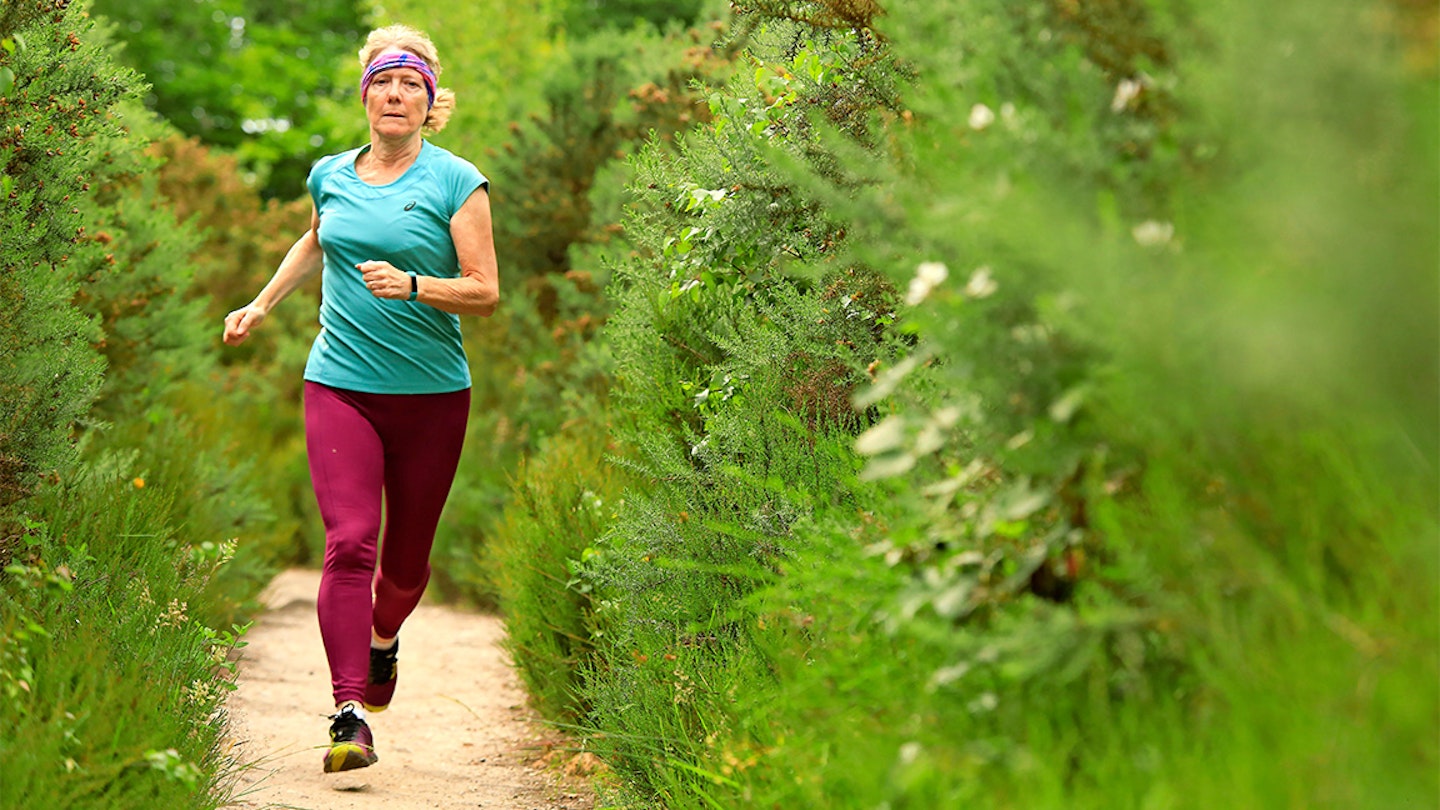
(740,336)
(49,370)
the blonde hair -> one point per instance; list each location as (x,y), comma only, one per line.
(412,41)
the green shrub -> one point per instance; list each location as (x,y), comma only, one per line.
(48,368)
(1140,507)
(740,337)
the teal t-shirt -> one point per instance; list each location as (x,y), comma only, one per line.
(384,346)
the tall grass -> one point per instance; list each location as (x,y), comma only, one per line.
(552,517)
(111,679)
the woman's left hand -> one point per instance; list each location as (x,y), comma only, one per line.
(384,280)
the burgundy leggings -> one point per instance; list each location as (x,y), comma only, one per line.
(362,447)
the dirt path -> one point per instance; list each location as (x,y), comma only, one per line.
(458,734)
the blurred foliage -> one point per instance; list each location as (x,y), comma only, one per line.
(247,75)
(494,55)
(583,16)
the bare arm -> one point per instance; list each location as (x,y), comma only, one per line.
(301,263)
(475,292)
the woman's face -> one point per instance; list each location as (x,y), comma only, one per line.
(396,102)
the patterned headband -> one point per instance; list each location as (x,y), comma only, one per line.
(399,60)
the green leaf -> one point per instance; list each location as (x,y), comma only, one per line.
(7,80)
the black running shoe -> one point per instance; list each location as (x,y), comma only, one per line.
(384,670)
(351,743)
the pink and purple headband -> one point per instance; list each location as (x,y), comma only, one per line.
(399,60)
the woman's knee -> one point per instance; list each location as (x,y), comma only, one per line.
(350,551)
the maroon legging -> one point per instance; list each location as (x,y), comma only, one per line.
(404,447)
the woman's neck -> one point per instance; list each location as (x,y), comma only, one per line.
(386,159)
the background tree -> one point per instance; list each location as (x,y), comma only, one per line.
(582,16)
(249,76)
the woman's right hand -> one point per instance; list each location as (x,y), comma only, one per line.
(239,323)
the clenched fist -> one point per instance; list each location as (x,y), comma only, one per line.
(384,280)
(239,323)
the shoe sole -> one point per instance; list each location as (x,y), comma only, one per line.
(348,757)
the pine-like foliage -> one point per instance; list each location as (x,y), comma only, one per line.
(56,126)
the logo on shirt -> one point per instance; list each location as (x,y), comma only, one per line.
(410,205)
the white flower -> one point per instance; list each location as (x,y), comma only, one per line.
(1151,233)
(887,466)
(881,438)
(981,117)
(981,285)
(1125,92)
(918,290)
(927,276)
(947,675)
(932,272)
(986,702)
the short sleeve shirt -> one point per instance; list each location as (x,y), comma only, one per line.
(377,345)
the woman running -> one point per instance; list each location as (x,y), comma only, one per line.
(401,236)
